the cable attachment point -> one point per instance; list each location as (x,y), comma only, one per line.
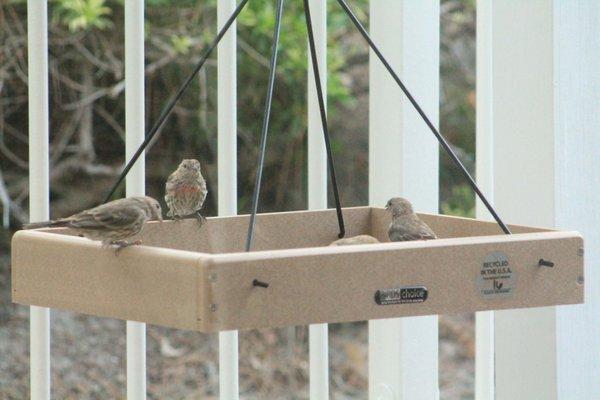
(261,284)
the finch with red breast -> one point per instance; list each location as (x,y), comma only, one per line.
(111,223)
(185,190)
(406,225)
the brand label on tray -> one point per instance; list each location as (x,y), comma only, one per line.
(497,278)
(401,295)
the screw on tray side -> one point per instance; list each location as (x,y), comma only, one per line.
(261,284)
(545,263)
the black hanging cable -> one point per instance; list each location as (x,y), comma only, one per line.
(317,77)
(171,104)
(265,125)
(433,129)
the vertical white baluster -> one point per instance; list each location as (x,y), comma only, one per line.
(227,177)
(135,181)
(403,159)
(484,321)
(39,187)
(317,190)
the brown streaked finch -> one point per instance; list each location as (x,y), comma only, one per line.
(406,225)
(111,223)
(185,190)
(360,239)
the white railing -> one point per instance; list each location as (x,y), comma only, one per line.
(227,175)
(537,157)
(317,191)
(403,158)
(136,179)
(39,186)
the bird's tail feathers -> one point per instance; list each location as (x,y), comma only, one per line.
(45,224)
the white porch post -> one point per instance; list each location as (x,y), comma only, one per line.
(227,176)
(577,187)
(523,168)
(317,190)
(39,187)
(135,181)
(543,126)
(403,160)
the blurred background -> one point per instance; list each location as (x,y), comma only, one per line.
(87,153)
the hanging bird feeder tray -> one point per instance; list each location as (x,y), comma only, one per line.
(200,278)
(206,279)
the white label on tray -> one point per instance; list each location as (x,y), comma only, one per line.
(497,278)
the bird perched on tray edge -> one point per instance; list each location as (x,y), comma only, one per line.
(185,190)
(111,223)
(406,225)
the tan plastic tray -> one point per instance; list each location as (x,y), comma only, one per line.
(199,278)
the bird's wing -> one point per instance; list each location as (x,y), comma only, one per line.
(171,182)
(420,229)
(412,228)
(405,236)
(108,217)
(426,233)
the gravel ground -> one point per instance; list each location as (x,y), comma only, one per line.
(88,359)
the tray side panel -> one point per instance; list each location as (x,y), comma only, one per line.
(339,285)
(273,231)
(157,286)
(446,226)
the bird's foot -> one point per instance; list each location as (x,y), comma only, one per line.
(121,244)
(201,219)
(177,218)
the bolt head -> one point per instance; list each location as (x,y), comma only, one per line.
(212,307)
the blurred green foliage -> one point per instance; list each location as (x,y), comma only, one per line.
(86,35)
(83,14)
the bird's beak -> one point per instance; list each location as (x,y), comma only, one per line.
(387,206)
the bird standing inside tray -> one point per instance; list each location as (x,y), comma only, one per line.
(406,225)
(111,223)
(185,191)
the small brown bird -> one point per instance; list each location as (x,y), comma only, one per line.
(405,225)
(360,239)
(185,190)
(112,223)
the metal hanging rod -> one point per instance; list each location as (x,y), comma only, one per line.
(433,129)
(256,195)
(171,104)
(267,111)
(265,125)
(317,78)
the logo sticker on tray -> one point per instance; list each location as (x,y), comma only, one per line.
(401,295)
